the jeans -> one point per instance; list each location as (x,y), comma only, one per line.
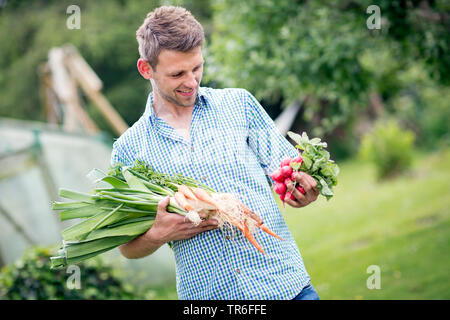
(308,293)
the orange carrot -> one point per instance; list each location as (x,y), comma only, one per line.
(251,214)
(181,200)
(244,229)
(259,222)
(251,238)
(237,224)
(205,197)
(187,192)
(267,230)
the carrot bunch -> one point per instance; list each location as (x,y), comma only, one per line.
(225,208)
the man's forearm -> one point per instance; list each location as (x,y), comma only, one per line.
(140,247)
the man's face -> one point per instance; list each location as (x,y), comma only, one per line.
(177,76)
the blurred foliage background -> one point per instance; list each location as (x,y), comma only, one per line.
(349,79)
(282,51)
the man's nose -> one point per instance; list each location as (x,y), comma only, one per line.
(191,81)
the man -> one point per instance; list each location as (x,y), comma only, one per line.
(225,139)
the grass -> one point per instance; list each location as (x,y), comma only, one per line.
(401,225)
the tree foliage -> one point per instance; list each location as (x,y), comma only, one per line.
(106,39)
(291,50)
(323,50)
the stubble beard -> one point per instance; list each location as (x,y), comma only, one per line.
(172,99)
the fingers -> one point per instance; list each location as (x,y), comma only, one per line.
(313,183)
(312,193)
(206,225)
(210,223)
(305,183)
(203,214)
(301,178)
(162,204)
(299,202)
(309,184)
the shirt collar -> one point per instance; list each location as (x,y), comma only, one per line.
(150,113)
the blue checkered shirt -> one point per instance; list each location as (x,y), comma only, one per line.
(233,146)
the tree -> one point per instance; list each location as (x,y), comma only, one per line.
(322,50)
(106,39)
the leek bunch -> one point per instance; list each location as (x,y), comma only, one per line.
(117,214)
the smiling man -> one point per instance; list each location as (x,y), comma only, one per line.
(224,138)
(175,81)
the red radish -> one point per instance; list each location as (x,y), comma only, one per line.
(293,176)
(278,176)
(300,188)
(285,161)
(286,171)
(297,159)
(280,188)
(289,195)
(283,198)
(288,181)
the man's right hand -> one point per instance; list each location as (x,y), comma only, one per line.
(172,226)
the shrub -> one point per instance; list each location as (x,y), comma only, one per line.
(389,147)
(30,277)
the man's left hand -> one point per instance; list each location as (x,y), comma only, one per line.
(309,184)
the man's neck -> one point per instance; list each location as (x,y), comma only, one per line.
(179,117)
(165,109)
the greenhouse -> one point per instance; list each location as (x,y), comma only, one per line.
(36,159)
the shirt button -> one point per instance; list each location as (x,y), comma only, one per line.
(204,178)
(238,271)
(192,148)
(228,237)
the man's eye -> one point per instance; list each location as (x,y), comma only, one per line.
(176,75)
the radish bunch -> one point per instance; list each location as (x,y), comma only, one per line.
(284,176)
(314,160)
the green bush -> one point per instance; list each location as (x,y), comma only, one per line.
(30,277)
(423,105)
(389,147)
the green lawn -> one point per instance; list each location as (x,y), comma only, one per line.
(402,226)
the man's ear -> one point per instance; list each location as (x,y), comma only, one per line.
(145,69)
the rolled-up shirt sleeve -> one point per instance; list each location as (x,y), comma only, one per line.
(266,141)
